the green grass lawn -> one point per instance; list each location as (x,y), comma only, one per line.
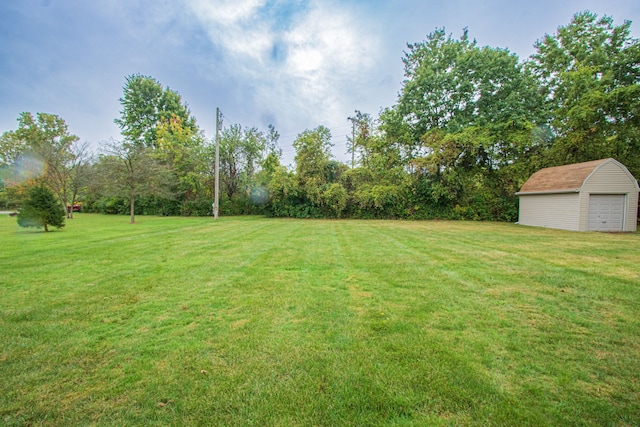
(253,321)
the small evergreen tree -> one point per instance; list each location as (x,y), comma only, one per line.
(41,209)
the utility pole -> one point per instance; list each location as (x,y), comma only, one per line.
(353,143)
(217,167)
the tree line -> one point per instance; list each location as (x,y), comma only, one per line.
(470,125)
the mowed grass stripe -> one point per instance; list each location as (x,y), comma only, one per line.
(526,308)
(247,321)
(565,304)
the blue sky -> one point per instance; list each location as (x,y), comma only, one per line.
(296,64)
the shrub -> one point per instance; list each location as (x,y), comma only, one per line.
(41,209)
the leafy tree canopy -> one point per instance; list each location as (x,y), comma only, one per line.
(45,140)
(129,170)
(452,84)
(241,152)
(590,70)
(145,106)
(313,152)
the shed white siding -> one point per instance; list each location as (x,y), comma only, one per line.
(601,195)
(611,178)
(550,210)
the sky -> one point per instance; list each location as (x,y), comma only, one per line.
(296,64)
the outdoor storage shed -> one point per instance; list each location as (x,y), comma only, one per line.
(601,195)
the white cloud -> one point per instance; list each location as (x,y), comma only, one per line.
(226,12)
(236,26)
(302,71)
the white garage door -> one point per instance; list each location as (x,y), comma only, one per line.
(606,212)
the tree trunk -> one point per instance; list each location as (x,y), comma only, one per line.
(64,204)
(46,228)
(131,208)
(73,202)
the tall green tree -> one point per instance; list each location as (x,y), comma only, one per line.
(465,114)
(241,153)
(298,193)
(452,85)
(155,118)
(46,138)
(590,70)
(273,153)
(285,195)
(313,153)
(363,128)
(183,152)
(318,175)
(79,173)
(131,171)
(375,186)
(11,148)
(41,210)
(145,105)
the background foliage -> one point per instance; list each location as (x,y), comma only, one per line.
(470,125)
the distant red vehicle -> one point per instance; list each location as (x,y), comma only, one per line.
(76,208)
